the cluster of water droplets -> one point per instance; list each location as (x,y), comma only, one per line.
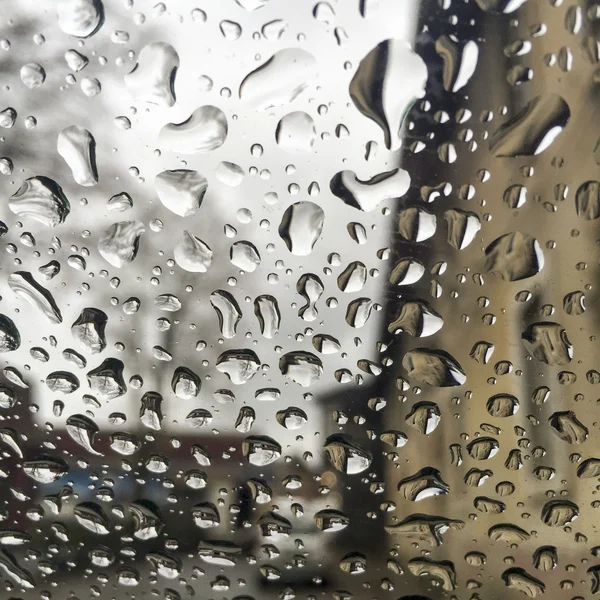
(335,302)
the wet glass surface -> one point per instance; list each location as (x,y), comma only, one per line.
(297,299)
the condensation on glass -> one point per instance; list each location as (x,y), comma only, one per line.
(297,299)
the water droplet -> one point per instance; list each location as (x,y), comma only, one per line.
(204,131)
(346,455)
(24,286)
(239,365)
(279,80)
(181,191)
(41,199)
(301,227)
(260,450)
(514,256)
(296,132)
(367,195)
(533,129)
(192,254)
(78,148)
(152,79)
(387,82)
(119,244)
(83,430)
(303,368)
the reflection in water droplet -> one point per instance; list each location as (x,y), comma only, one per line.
(80,18)
(204,131)
(261,450)
(89,330)
(483,448)
(267,312)
(427,529)
(387,82)
(417,318)
(514,256)
(152,79)
(463,226)
(548,342)
(119,244)
(279,80)
(310,287)
(244,256)
(424,484)
(416,224)
(10,338)
(303,368)
(229,174)
(433,367)
(533,129)
(442,571)
(106,381)
(185,383)
(558,513)
(91,516)
(231,30)
(353,277)
(78,148)
(568,427)
(460,61)
(296,132)
(301,227)
(228,312)
(367,195)
(42,199)
(181,191)
(24,286)
(83,430)
(518,579)
(545,558)
(346,455)
(502,405)
(587,200)
(239,365)
(192,254)
(500,6)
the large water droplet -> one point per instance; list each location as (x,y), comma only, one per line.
(267,312)
(346,455)
(279,80)
(367,195)
(10,338)
(301,367)
(152,79)
(119,244)
(434,367)
(78,148)
(228,311)
(106,381)
(42,199)
(533,129)
(24,286)
(89,330)
(204,131)
(80,18)
(296,132)
(239,365)
(514,256)
(301,227)
(181,191)
(387,82)
(192,254)
(83,430)
(261,450)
